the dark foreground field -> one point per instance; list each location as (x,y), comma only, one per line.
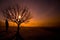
(32,33)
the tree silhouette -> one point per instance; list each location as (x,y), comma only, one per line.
(7,25)
(17,14)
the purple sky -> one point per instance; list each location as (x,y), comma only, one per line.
(42,10)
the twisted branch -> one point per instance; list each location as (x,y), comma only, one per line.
(12,13)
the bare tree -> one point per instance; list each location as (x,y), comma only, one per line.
(17,14)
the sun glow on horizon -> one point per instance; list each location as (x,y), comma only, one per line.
(36,23)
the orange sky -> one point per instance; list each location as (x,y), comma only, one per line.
(35,23)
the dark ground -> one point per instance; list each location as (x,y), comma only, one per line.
(32,33)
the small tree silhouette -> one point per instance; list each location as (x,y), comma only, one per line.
(7,25)
(17,14)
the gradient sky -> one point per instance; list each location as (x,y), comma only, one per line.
(44,12)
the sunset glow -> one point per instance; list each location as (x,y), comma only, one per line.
(45,13)
(19,17)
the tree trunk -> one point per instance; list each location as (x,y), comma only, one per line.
(18,36)
(18,29)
